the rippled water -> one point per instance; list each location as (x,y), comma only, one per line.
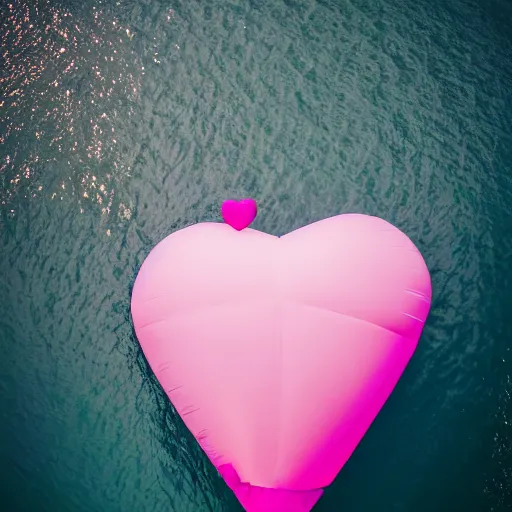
(122,121)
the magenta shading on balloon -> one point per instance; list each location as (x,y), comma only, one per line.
(259,499)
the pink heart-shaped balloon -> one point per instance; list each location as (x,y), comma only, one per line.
(278,353)
(239,214)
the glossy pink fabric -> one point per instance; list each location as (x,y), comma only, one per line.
(278,353)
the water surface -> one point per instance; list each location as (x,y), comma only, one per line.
(123,121)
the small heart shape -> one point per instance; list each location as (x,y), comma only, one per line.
(239,214)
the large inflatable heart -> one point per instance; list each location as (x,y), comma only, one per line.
(278,353)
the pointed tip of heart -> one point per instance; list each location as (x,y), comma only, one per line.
(265,499)
(239,214)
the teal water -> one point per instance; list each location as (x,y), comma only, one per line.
(122,121)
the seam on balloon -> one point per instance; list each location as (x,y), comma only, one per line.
(175,388)
(280,301)
(152,298)
(419,295)
(327,310)
(281,386)
(413,317)
(189,412)
(154,322)
(185,311)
